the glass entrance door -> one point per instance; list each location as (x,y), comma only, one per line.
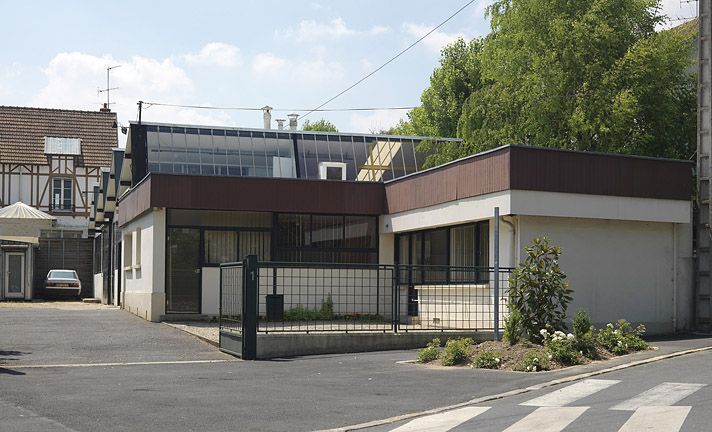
(183,291)
(14,275)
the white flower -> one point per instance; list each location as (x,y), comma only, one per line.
(543,332)
(529,368)
(569,336)
(581,352)
(550,356)
(534,368)
(609,325)
(559,334)
(620,343)
(536,360)
(616,332)
(496,360)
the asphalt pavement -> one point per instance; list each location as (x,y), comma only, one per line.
(105,369)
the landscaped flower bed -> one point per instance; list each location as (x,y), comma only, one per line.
(556,350)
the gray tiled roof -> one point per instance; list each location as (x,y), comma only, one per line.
(23,131)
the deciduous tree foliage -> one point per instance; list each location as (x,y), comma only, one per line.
(321,125)
(589,75)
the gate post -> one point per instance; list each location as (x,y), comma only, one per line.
(496,273)
(395,298)
(249,307)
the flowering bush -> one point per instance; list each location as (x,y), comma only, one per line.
(487,360)
(561,347)
(456,351)
(622,338)
(533,362)
(430,352)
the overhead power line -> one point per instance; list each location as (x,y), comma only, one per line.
(392,59)
(228,108)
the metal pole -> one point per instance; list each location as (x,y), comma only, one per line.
(496,273)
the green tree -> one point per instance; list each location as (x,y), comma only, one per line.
(321,125)
(590,75)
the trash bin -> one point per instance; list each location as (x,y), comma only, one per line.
(275,307)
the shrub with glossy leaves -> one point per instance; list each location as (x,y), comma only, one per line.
(538,289)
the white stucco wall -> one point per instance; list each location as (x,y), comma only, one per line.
(621,269)
(144,285)
(210,287)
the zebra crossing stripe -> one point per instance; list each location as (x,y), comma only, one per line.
(547,419)
(656,419)
(570,394)
(665,394)
(441,422)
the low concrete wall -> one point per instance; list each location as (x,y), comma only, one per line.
(292,345)
(148,306)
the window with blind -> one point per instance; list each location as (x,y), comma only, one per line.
(463,247)
(326,238)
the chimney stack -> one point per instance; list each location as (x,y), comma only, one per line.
(105,108)
(280,123)
(267,116)
(293,121)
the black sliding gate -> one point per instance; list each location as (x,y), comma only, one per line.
(271,298)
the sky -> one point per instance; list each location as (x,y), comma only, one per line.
(285,54)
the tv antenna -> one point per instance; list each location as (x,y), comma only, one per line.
(108,88)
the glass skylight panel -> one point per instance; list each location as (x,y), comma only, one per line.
(282,154)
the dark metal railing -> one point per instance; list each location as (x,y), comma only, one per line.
(273,297)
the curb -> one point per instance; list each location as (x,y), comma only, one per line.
(515,392)
(202,338)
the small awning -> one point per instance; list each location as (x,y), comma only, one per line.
(20,222)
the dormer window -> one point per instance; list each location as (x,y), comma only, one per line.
(57,146)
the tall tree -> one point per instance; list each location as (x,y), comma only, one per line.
(586,75)
(321,125)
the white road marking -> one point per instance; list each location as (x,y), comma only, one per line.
(547,419)
(665,394)
(144,363)
(656,419)
(441,422)
(570,394)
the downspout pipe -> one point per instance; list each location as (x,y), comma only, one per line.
(512,227)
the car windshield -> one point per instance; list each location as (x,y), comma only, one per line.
(62,274)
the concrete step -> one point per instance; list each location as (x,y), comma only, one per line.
(91,300)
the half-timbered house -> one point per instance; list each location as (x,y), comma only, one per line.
(51,159)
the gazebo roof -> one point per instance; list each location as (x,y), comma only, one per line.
(20,210)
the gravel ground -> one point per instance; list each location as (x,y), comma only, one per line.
(204,330)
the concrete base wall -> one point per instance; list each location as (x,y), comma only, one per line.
(291,345)
(148,306)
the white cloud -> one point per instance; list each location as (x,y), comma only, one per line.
(268,64)
(376,121)
(313,31)
(216,53)
(436,40)
(73,79)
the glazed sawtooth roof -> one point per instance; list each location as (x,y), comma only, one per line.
(23,131)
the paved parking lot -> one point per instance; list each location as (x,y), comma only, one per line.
(88,368)
(76,333)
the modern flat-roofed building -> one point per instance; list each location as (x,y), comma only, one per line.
(192,197)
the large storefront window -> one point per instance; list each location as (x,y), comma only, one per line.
(326,238)
(462,248)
